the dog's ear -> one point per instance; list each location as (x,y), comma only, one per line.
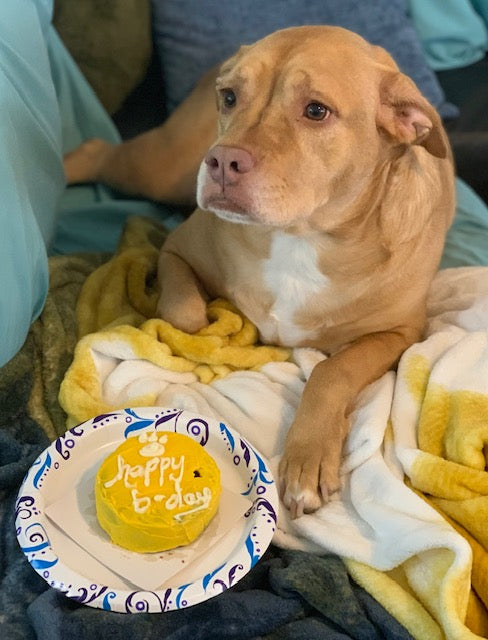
(406,116)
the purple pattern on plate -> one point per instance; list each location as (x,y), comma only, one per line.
(86,596)
(198,428)
(22,509)
(172,415)
(144,601)
(230,578)
(67,441)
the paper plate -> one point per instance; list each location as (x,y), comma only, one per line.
(69,567)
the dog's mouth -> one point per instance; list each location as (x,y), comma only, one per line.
(228,209)
(230,202)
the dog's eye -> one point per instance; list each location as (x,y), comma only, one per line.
(228,98)
(316,111)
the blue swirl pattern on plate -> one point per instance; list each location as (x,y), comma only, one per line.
(260,520)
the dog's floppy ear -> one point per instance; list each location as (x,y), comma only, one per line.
(406,116)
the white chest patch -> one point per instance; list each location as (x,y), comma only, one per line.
(293,277)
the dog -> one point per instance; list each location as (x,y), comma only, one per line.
(323,205)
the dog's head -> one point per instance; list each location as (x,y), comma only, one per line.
(306,119)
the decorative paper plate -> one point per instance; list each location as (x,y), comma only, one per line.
(58,532)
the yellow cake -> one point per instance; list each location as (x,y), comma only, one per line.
(157,491)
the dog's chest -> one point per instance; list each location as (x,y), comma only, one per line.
(294,281)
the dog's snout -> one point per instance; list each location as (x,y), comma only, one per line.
(226,164)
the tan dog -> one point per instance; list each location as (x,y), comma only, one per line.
(331,187)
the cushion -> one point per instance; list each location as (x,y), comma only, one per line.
(191,36)
(110,41)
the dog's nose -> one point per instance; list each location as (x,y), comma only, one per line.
(226,164)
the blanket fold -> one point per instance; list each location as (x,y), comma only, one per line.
(130,349)
(123,290)
(442,398)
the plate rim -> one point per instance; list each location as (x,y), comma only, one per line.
(29,512)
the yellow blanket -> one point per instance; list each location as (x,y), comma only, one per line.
(411,519)
(118,304)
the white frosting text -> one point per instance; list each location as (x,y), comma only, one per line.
(156,469)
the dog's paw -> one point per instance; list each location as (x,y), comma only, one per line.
(83,164)
(186,316)
(308,477)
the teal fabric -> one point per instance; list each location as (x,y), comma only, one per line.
(93,221)
(467,240)
(47,108)
(453,32)
(481,6)
(31,172)
(82,115)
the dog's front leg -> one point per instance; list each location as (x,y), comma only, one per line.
(309,468)
(182,300)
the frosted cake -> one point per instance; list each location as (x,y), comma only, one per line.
(157,491)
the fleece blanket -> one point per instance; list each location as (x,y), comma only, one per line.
(410,520)
(289,594)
